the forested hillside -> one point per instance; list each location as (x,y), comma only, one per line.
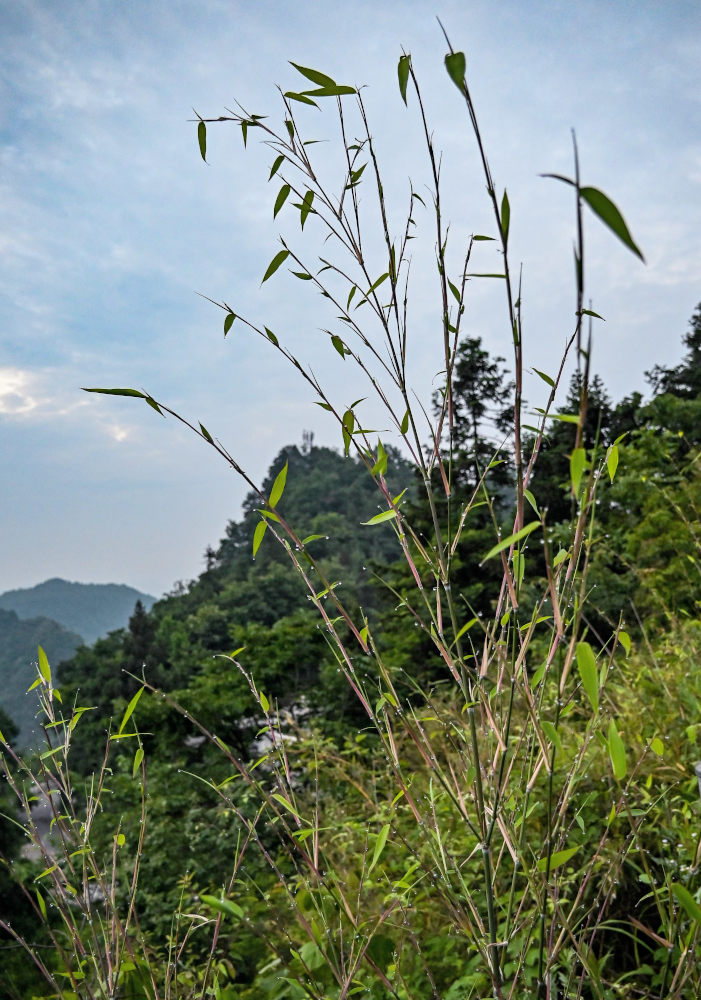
(426,725)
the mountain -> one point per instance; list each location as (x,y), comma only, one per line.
(19,639)
(90,609)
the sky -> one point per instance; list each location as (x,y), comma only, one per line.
(111,224)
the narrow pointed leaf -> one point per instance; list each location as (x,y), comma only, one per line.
(516,537)
(306,207)
(557,859)
(206,435)
(277,163)
(258,536)
(320,79)
(225,906)
(380,466)
(44,668)
(684,897)
(302,98)
(403,74)
(118,392)
(379,846)
(279,258)
(505,217)
(602,206)
(138,757)
(202,140)
(578,460)
(386,515)
(228,322)
(278,486)
(281,198)
(617,752)
(586,665)
(130,710)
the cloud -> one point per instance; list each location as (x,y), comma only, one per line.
(17,390)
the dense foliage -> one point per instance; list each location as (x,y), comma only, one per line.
(441,750)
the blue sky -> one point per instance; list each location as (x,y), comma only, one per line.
(110,223)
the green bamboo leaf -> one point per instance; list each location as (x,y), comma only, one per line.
(590,312)
(657,746)
(386,515)
(683,896)
(339,345)
(516,537)
(466,627)
(337,90)
(225,906)
(586,663)
(278,486)
(455,64)
(404,426)
(306,207)
(302,98)
(258,535)
(352,292)
(228,322)
(617,752)
(118,392)
(505,217)
(42,904)
(279,160)
(129,710)
(264,703)
(602,206)
(138,757)
(403,73)
(483,238)
(206,435)
(320,79)
(44,668)
(271,336)
(578,461)
(279,258)
(558,859)
(552,734)
(202,140)
(380,466)
(379,846)
(612,461)
(376,284)
(282,196)
(284,802)
(545,378)
(624,640)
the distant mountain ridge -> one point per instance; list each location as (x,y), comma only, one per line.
(19,639)
(89,609)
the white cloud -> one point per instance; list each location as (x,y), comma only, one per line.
(17,391)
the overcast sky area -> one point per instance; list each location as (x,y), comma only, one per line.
(110,223)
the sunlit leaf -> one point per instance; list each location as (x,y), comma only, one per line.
(380,466)
(379,846)
(557,859)
(516,537)
(129,710)
(44,668)
(258,535)
(138,757)
(578,461)
(624,640)
(617,752)
(225,906)
(586,665)
(386,515)
(612,461)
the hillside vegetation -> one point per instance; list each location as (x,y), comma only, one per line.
(426,725)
